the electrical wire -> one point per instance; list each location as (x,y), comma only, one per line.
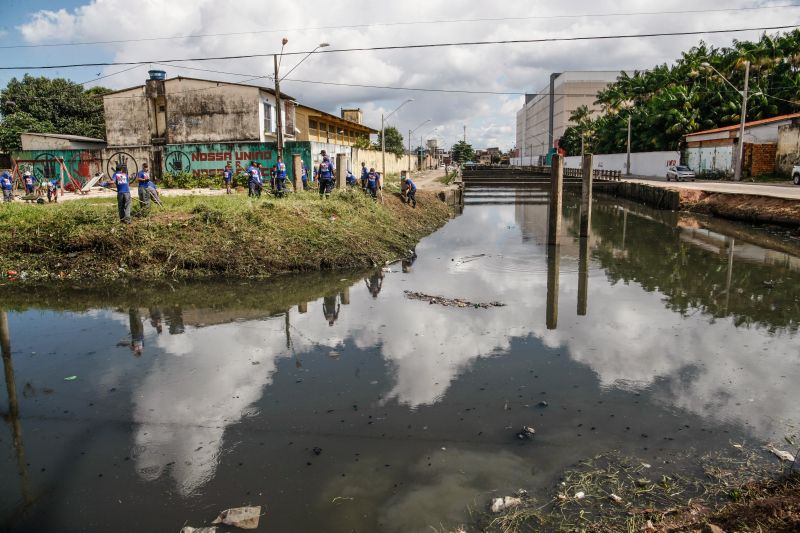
(413,47)
(410,23)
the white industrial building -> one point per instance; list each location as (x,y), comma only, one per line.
(545,115)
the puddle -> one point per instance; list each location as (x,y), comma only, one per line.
(338,404)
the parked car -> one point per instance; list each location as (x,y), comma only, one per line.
(796,174)
(680,173)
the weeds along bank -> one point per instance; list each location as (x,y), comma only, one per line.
(206,236)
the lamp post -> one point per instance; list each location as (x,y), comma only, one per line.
(276,63)
(383,136)
(737,171)
(410,132)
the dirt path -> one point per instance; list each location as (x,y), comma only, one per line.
(428,180)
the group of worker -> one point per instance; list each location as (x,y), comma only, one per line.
(147,190)
(29,183)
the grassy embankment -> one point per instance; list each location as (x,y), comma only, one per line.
(203,236)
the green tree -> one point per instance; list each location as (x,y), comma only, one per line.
(45,105)
(363,143)
(463,152)
(394,141)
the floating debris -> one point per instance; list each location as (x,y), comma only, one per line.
(526,433)
(450,302)
(241,517)
(780,454)
(501,504)
(190,529)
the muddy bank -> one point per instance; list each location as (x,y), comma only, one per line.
(201,237)
(744,207)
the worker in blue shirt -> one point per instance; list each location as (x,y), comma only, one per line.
(120,178)
(52,190)
(411,191)
(372,183)
(29,182)
(325,176)
(253,180)
(364,176)
(227,176)
(7,184)
(350,179)
(280,178)
(304,176)
(143,179)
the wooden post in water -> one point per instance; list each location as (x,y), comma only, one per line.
(297,171)
(553,267)
(583,276)
(302,308)
(556,196)
(341,170)
(586,196)
(344,296)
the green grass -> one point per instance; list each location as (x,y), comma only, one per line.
(196,236)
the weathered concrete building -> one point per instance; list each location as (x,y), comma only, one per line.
(717,149)
(326,131)
(787,152)
(545,115)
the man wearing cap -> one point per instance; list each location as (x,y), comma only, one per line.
(27,179)
(7,185)
(143,178)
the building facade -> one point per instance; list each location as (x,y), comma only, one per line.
(545,115)
(717,149)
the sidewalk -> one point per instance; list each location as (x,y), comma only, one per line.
(775,190)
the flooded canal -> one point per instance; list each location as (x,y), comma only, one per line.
(339,404)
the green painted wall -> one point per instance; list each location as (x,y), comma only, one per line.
(82,164)
(205,159)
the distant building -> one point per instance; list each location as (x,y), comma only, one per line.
(717,149)
(322,127)
(545,115)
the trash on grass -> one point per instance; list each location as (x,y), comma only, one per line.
(241,517)
(580,495)
(450,302)
(615,498)
(501,504)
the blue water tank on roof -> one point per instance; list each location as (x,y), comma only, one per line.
(157,75)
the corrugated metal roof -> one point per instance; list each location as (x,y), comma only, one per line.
(746,124)
(65,136)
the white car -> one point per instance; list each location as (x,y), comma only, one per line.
(680,173)
(796,174)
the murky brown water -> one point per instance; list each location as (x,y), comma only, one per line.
(189,399)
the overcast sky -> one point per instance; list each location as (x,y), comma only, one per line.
(505,68)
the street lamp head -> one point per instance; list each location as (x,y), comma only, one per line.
(323,45)
(284,41)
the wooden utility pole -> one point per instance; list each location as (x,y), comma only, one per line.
(556,197)
(628,158)
(553,273)
(737,172)
(297,170)
(586,195)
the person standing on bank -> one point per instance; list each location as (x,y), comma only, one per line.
(27,179)
(252,180)
(304,176)
(372,183)
(364,176)
(325,177)
(227,176)
(123,195)
(7,184)
(143,179)
(280,178)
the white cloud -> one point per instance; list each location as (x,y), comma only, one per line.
(522,67)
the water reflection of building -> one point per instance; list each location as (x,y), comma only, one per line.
(375,283)
(330,309)
(137,331)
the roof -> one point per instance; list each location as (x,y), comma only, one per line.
(329,116)
(746,124)
(67,137)
(218,82)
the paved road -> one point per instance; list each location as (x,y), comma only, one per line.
(777,190)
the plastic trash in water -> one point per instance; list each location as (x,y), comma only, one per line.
(70,378)
(508,502)
(241,517)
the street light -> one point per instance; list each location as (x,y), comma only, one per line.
(737,171)
(410,132)
(383,136)
(279,119)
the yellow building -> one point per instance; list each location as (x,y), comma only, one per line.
(325,128)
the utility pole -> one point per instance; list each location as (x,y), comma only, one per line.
(628,163)
(737,173)
(279,120)
(383,149)
(409,151)
(465,134)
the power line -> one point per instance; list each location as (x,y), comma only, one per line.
(409,23)
(412,47)
(109,75)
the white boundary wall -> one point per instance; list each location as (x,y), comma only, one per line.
(642,163)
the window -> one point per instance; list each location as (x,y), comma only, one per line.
(267,118)
(312,125)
